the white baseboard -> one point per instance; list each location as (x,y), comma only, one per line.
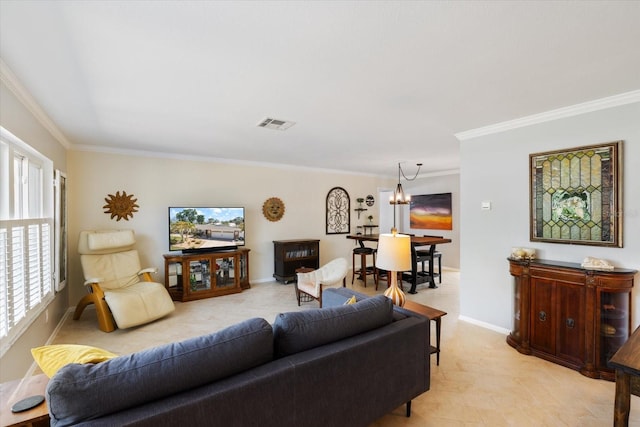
(269,279)
(485,325)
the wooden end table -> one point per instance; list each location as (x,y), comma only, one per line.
(433,314)
(14,391)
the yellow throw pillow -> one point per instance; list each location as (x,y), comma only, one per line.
(50,358)
(351,300)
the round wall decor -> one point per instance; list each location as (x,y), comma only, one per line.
(370,200)
(273,209)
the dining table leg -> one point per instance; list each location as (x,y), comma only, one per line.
(414,270)
(432,281)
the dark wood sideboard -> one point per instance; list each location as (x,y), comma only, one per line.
(570,315)
(290,255)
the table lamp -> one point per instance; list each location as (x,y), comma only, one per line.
(394,255)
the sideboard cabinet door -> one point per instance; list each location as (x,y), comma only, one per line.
(571,326)
(542,316)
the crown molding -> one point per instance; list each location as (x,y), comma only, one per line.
(439,173)
(210,159)
(11,81)
(574,110)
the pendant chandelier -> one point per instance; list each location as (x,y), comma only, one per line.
(399,197)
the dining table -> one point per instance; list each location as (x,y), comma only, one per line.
(414,277)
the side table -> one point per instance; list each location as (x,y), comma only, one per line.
(626,361)
(14,391)
(433,314)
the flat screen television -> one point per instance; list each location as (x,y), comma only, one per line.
(205,228)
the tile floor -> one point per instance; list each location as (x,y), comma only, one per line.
(481,381)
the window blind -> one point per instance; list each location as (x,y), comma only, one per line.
(26,241)
(25,273)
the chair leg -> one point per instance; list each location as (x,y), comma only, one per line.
(105,319)
(353,267)
(84,302)
(440,269)
(375,270)
(408,409)
(363,269)
(298,296)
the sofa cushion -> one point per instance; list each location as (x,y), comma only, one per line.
(84,392)
(298,331)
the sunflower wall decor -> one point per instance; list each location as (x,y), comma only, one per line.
(121,205)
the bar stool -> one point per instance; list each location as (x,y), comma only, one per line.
(363,251)
(431,253)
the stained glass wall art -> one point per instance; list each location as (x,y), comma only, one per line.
(576,195)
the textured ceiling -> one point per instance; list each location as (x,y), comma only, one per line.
(369,84)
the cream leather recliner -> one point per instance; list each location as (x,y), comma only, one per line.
(310,284)
(113,275)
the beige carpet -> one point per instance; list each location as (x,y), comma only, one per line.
(481,381)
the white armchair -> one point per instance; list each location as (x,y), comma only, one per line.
(113,275)
(310,284)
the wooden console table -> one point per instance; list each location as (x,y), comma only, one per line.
(14,391)
(626,361)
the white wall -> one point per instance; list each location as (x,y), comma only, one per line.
(158,183)
(449,183)
(495,168)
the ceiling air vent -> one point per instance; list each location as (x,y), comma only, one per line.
(275,124)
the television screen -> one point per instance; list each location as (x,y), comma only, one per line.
(205,228)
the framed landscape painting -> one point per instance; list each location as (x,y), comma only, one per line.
(431,211)
(575,195)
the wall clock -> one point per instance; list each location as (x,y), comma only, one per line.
(273,209)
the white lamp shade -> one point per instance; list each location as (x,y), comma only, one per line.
(394,252)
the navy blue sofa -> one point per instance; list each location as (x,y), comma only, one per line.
(336,366)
